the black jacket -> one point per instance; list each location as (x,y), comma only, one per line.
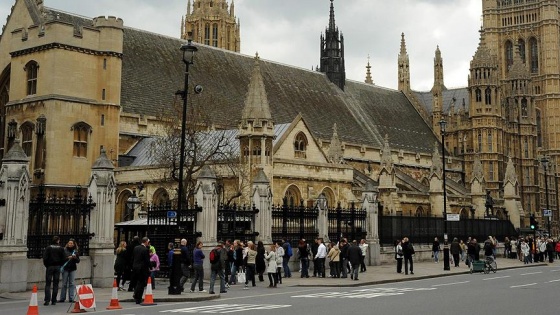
(54,256)
(71,265)
(407,249)
(354,255)
(141,258)
(455,248)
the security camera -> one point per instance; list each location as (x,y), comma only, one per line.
(198,89)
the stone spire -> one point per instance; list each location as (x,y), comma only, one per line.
(437,164)
(335,153)
(518,70)
(404,64)
(438,69)
(256,101)
(332,53)
(369,80)
(332,24)
(437,92)
(386,157)
(510,175)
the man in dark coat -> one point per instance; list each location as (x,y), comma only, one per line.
(53,258)
(408,251)
(314,249)
(344,246)
(129,252)
(455,250)
(141,268)
(217,268)
(354,257)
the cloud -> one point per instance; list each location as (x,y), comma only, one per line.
(288,31)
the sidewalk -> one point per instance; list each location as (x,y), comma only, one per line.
(373,275)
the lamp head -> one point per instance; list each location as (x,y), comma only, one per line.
(188,50)
(442,124)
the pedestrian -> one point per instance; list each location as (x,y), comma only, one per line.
(399,255)
(455,249)
(186,264)
(69,271)
(435,250)
(525,252)
(286,258)
(198,263)
(279,261)
(130,252)
(154,266)
(229,261)
(364,247)
(121,265)
(557,248)
(320,257)
(354,257)
(303,252)
(170,254)
(53,258)
(463,250)
(408,252)
(334,260)
(271,268)
(141,268)
(260,263)
(237,257)
(250,265)
(217,267)
(314,249)
(550,250)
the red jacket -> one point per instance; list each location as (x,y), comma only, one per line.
(557,247)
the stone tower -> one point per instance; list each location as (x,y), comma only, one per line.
(437,91)
(404,67)
(368,80)
(332,53)
(212,23)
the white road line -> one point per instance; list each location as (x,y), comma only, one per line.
(555,270)
(522,285)
(452,283)
(553,281)
(530,273)
(496,278)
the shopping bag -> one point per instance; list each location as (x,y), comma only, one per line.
(241,277)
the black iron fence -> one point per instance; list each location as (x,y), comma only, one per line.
(349,223)
(65,216)
(236,222)
(294,222)
(422,230)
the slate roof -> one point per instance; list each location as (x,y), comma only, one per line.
(153,71)
(459,94)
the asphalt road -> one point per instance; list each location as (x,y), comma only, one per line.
(515,291)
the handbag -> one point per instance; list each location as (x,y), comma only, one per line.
(241,277)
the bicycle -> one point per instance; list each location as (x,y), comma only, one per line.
(490,264)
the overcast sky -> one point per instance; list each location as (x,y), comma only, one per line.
(288,31)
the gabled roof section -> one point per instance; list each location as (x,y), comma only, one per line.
(256,101)
(458,95)
(295,122)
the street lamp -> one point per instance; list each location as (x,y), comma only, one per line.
(188,50)
(446,266)
(132,204)
(544,162)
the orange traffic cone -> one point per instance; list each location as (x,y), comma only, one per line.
(77,308)
(33,308)
(114,304)
(148,298)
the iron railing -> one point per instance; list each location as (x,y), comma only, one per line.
(293,223)
(349,223)
(236,222)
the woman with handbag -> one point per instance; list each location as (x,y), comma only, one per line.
(334,257)
(69,271)
(250,265)
(270,257)
(399,256)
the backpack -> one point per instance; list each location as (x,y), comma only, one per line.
(289,250)
(214,256)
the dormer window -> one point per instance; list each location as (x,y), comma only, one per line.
(300,146)
(32,68)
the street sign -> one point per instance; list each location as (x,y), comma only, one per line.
(171,214)
(453,217)
(547,213)
(86,296)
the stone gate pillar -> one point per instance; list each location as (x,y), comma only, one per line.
(262,199)
(207,198)
(102,189)
(14,217)
(370,204)
(323,219)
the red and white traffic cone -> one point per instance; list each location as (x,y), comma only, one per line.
(114,304)
(33,308)
(149,297)
(77,308)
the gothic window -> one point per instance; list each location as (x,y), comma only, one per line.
(300,146)
(524,107)
(479,142)
(215,35)
(32,68)
(228,37)
(527,176)
(534,51)
(40,145)
(521,46)
(420,212)
(488,96)
(539,129)
(267,152)
(478,95)
(4,98)
(81,134)
(207,34)
(489,141)
(256,156)
(526,149)
(491,170)
(27,138)
(292,196)
(509,54)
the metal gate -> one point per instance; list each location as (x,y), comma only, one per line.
(349,223)
(293,223)
(237,223)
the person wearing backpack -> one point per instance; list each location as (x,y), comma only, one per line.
(218,257)
(286,259)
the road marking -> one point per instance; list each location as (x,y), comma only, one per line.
(555,270)
(522,285)
(530,273)
(452,283)
(496,278)
(365,293)
(553,281)
(225,308)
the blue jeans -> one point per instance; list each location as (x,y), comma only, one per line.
(436,255)
(285,261)
(68,278)
(220,274)
(233,278)
(198,276)
(52,275)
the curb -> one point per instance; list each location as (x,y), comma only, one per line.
(200,298)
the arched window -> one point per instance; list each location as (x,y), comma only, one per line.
(509,54)
(489,140)
(521,46)
(207,34)
(490,170)
(479,141)
(524,107)
(478,95)
(81,134)
(215,35)
(488,96)
(32,68)
(419,212)
(534,51)
(300,146)
(161,197)
(267,152)
(293,196)
(27,138)
(256,156)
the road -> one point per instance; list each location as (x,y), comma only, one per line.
(514,291)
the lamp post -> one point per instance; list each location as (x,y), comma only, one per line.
(544,162)
(442,124)
(188,50)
